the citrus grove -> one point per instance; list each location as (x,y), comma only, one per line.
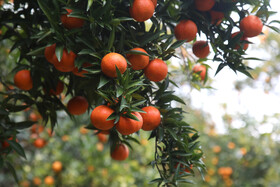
(109,60)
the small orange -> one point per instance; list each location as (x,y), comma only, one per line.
(216,17)
(251,26)
(67,62)
(110,62)
(242,43)
(37,181)
(156,70)
(102,137)
(151,119)
(99,117)
(34,116)
(204,5)
(39,143)
(142,10)
(128,126)
(5,144)
(137,61)
(77,105)
(185,30)
(57,166)
(201,70)
(37,129)
(58,90)
(82,72)
(49,53)
(183,167)
(49,180)
(23,80)
(201,49)
(71,22)
(120,152)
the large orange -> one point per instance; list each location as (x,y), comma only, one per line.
(120,152)
(77,105)
(57,166)
(142,10)
(156,70)
(71,22)
(58,90)
(204,5)
(242,43)
(128,126)
(82,72)
(110,62)
(151,119)
(50,53)
(201,49)
(201,70)
(185,30)
(251,26)
(138,61)
(49,180)
(67,62)
(154,2)
(23,80)
(39,143)
(99,117)
(216,17)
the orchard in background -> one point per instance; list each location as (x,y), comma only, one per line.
(109,62)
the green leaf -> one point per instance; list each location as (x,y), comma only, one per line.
(36,52)
(172,133)
(17,147)
(59,52)
(157,180)
(103,81)
(111,39)
(12,169)
(23,125)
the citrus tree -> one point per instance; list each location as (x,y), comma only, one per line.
(111,58)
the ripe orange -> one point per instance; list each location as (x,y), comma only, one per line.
(251,26)
(39,143)
(201,70)
(102,137)
(120,152)
(128,126)
(154,2)
(58,90)
(49,180)
(142,10)
(23,80)
(50,53)
(37,181)
(99,117)
(77,105)
(216,17)
(110,62)
(37,129)
(57,166)
(105,132)
(71,22)
(67,62)
(156,70)
(34,116)
(5,144)
(201,49)
(204,5)
(184,167)
(151,119)
(185,30)
(243,38)
(138,61)
(82,72)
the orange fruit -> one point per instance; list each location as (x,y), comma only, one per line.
(67,62)
(71,22)
(151,119)
(77,105)
(216,17)
(231,145)
(5,144)
(102,137)
(83,130)
(156,70)
(242,43)
(142,10)
(37,181)
(120,152)
(110,62)
(34,116)
(105,132)
(25,183)
(155,3)
(23,80)
(50,53)
(185,30)
(99,117)
(201,49)
(37,129)
(201,70)
(49,180)
(204,5)
(39,143)
(82,72)
(251,26)
(138,61)
(58,90)
(128,126)
(184,167)
(57,166)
